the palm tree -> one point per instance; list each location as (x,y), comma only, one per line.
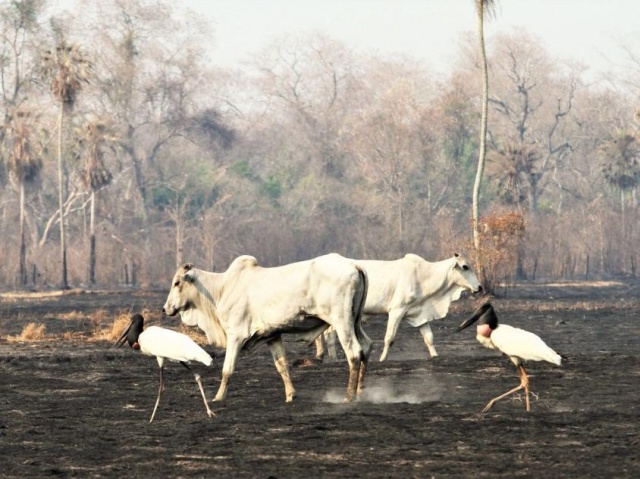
(483,7)
(68,69)
(24,163)
(95,175)
(621,165)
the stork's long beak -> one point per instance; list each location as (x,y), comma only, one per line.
(123,338)
(471,320)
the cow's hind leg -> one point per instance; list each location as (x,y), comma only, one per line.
(229,366)
(354,374)
(361,372)
(366,344)
(354,354)
(427,335)
(279,357)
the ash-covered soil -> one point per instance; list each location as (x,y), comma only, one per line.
(81,408)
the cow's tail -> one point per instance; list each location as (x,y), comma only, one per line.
(358,309)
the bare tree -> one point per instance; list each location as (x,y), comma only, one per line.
(18,68)
(531,138)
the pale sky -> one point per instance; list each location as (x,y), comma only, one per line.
(589,31)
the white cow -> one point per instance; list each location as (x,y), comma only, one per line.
(415,290)
(248,305)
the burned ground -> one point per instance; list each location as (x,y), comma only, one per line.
(81,408)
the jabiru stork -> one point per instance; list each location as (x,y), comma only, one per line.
(519,345)
(165,344)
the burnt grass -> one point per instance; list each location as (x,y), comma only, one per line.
(76,408)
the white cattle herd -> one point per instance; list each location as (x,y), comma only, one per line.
(248,305)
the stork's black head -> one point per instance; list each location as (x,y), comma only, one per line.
(133,332)
(485,314)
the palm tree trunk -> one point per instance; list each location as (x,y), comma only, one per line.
(23,246)
(92,239)
(483,137)
(63,243)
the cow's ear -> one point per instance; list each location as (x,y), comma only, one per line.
(187,267)
(188,277)
(456,255)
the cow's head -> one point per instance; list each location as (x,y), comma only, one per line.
(463,276)
(180,297)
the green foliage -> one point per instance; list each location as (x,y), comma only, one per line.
(162,196)
(271,188)
(242,169)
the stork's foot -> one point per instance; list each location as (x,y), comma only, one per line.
(520,397)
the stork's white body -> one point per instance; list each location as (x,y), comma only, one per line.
(519,345)
(167,344)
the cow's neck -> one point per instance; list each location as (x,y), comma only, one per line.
(211,286)
(435,277)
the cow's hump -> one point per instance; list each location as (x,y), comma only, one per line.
(243,262)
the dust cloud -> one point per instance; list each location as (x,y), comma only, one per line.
(412,389)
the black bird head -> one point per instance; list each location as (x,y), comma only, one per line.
(133,332)
(485,314)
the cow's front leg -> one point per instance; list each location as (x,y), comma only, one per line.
(229,366)
(279,357)
(320,348)
(427,335)
(330,339)
(395,316)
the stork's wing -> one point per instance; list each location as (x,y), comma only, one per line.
(169,344)
(523,344)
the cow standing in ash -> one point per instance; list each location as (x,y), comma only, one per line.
(248,305)
(414,290)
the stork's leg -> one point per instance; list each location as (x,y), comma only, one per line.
(280,359)
(210,413)
(524,384)
(160,391)
(427,335)
(525,381)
